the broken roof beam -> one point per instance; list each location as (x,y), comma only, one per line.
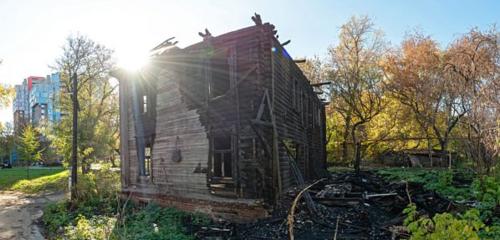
(321,83)
(256,19)
(166,43)
(205,35)
(285,43)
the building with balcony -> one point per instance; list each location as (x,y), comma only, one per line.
(36,102)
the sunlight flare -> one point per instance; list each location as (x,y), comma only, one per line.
(133,61)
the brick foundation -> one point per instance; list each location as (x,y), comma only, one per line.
(231,211)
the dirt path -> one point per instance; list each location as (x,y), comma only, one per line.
(18,213)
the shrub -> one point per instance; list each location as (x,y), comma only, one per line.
(55,216)
(487,191)
(95,228)
(98,192)
(94,215)
(440,181)
(443,226)
(154,222)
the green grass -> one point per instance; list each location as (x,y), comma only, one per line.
(40,179)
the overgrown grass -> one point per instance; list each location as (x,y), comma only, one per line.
(138,222)
(458,185)
(100,214)
(154,222)
(40,179)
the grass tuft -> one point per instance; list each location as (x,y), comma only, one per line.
(40,179)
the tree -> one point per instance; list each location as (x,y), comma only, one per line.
(415,79)
(357,92)
(314,69)
(445,87)
(97,99)
(29,147)
(6,140)
(6,93)
(95,105)
(472,62)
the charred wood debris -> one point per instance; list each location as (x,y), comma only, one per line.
(347,206)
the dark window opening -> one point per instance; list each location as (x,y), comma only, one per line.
(147,160)
(292,148)
(220,81)
(222,159)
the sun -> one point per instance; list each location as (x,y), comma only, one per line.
(133,61)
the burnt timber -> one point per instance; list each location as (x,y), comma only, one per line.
(224,126)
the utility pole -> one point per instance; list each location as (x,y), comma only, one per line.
(74,148)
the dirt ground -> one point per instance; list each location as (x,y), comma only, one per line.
(20,212)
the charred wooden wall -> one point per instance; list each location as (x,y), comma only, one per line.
(268,110)
(299,117)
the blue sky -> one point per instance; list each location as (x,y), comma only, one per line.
(33,31)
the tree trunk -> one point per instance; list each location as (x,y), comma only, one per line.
(344,151)
(357,157)
(429,148)
(28,170)
(444,150)
(112,161)
(345,138)
(357,149)
(74,141)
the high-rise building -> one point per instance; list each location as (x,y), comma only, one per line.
(36,101)
(20,107)
(42,100)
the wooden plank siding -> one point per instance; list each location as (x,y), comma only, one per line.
(192,114)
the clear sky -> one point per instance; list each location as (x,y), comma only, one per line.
(32,32)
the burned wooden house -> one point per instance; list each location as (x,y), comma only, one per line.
(223,126)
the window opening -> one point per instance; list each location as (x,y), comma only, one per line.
(221,80)
(222,159)
(147,160)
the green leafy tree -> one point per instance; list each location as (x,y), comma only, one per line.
(6,140)
(6,94)
(97,101)
(29,147)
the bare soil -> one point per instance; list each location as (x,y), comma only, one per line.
(20,212)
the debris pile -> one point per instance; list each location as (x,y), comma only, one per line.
(348,206)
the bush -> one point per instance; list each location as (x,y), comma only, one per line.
(444,226)
(440,181)
(484,190)
(55,217)
(487,191)
(97,227)
(154,222)
(98,192)
(97,196)
(94,215)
